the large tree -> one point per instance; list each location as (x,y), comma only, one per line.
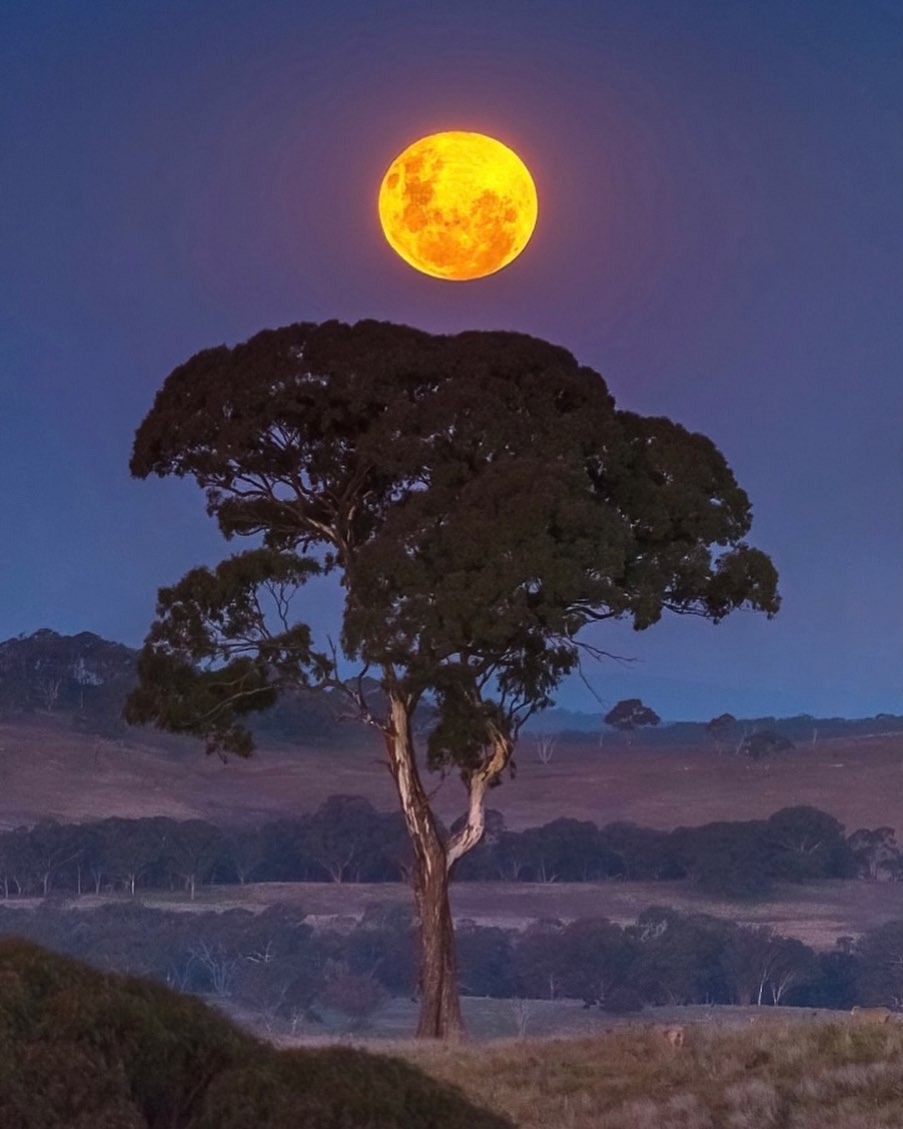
(482,501)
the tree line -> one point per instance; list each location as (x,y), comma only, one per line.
(348,840)
(276,967)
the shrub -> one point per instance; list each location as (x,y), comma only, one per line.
(80,1049)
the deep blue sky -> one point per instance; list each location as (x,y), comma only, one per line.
(719,235)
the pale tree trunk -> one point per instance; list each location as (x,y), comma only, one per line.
(440,1008)
(434,862)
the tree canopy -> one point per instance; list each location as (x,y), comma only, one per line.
(483,501)
(630,713)
(480,493)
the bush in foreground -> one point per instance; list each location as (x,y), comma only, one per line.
(83,1050)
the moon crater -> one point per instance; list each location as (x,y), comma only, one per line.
(458,205)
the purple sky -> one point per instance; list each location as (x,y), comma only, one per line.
(719,235)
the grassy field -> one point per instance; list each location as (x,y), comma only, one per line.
(773,1076)
(738,1068)
(488,1020)
(817,913)
(47,769)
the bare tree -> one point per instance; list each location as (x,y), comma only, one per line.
(545,745)
(221,967)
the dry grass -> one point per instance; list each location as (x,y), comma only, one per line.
(824,1076)
(47,769)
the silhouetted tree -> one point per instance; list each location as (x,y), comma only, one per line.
(481,499)
(192,848)
(762,967)
(879,957)
(875,852)
(629,714)
(809,844)
(763,743)
(720,728)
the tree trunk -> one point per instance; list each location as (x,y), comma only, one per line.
(440,1007)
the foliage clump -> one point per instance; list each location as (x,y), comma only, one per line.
(83,1050)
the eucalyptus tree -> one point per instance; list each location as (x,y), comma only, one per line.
(481,500)
(629,714)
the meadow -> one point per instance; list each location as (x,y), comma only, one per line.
(817,913)
(48,770)
(770,1076)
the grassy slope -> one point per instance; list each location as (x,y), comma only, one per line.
(83,1050)
(47,769)
(80,1049)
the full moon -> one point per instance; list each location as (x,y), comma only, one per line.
(458,205)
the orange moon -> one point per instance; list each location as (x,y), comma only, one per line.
(458,205)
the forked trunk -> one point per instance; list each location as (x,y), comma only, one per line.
(440,1007)
(434,862)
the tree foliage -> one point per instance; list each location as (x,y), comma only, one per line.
(480,494)
(482,501)
(630,714)
(80,1049)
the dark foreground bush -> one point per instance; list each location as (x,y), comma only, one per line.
(83,1050)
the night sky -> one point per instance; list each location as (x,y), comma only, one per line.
(719,235)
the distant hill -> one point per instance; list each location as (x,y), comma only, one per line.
(571,726)
(82,675)
(86,678)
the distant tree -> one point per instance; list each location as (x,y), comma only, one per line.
(763,743)
(595,957)
(876,852)
(52,846)
(18,865)
(679,957)
(132,848)
(356,995)
(734,860)
(482,500)
(545,745)
(343,835)
(629,715)
(485,960)
(565,850)
(244,848)
(192,848)
(763,967)
(879,965)
(809,844)
(644,854)
(537,960)
(719,729)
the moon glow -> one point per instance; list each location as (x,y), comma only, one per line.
(458,205)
